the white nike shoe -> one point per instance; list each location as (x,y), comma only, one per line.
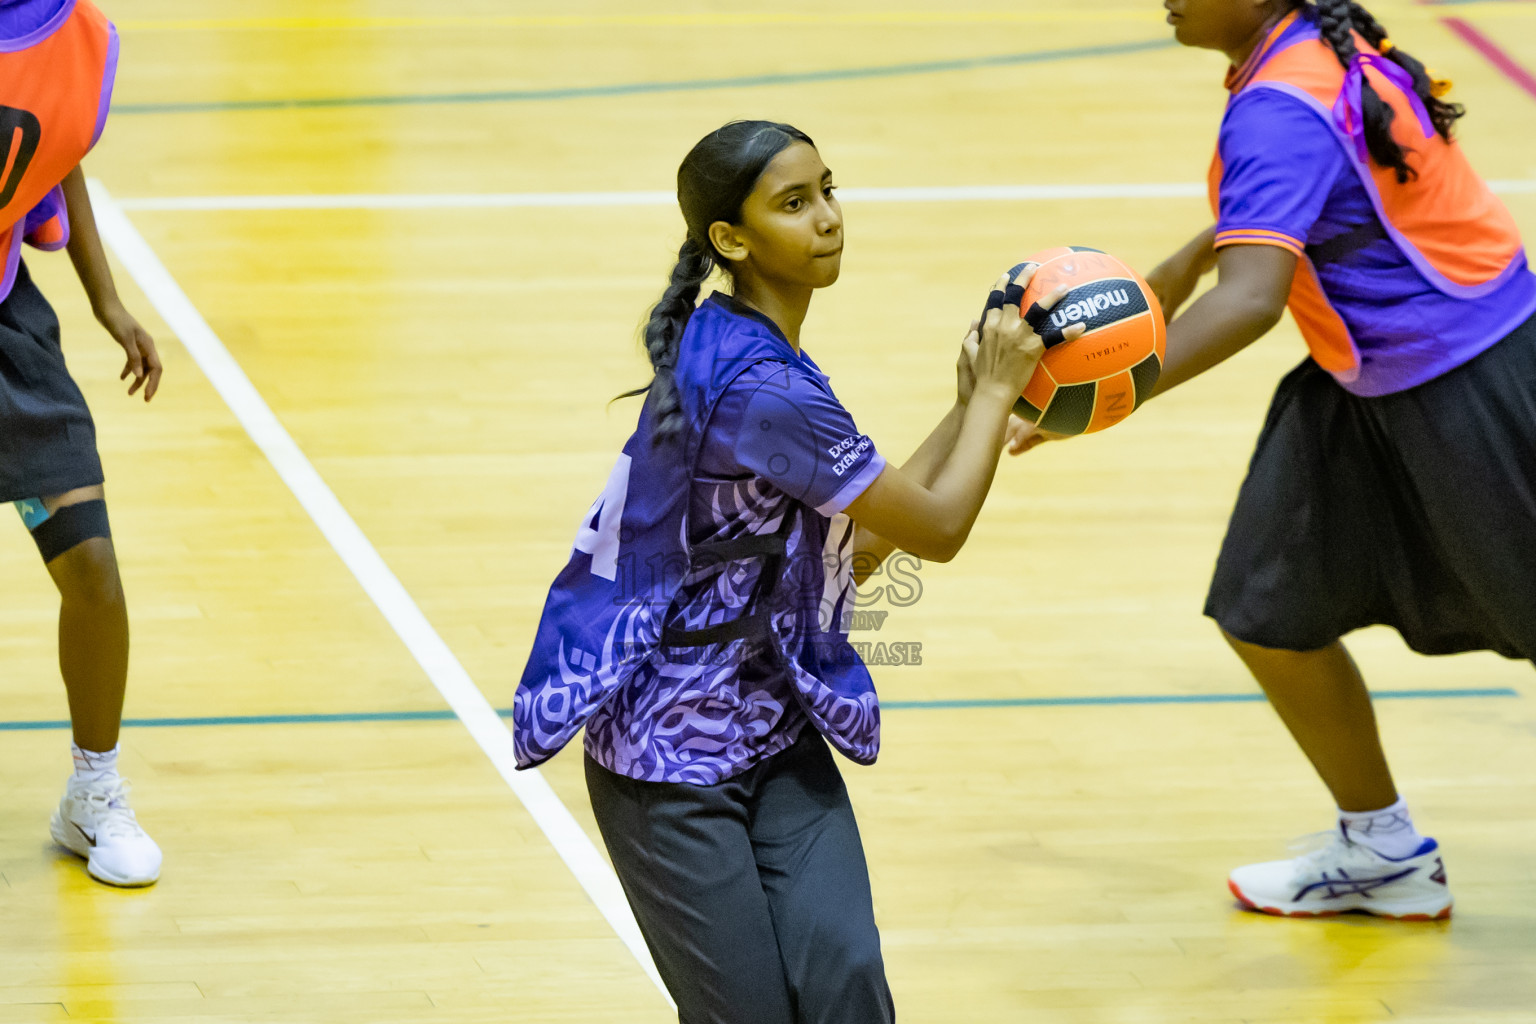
(1344,876)
(95,822)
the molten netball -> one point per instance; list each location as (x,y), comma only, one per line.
(1097,380)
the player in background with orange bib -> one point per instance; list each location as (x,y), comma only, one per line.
(1394,481)
(57,63)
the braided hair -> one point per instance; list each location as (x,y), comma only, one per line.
(715,179)
(1337,20)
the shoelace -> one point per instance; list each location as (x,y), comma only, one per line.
(114,818)
(1329,848)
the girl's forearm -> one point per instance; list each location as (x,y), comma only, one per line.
(1221,323)
(85,250)
(869,548)
(933,521)
(962,481)
(1201,251)
(930,456)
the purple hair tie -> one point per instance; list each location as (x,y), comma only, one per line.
(1348,113)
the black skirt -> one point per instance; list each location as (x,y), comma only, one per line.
(1415,510)
(47,438)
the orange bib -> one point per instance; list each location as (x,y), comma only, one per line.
(1446,221)
(53,102)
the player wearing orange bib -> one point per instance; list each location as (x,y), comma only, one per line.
(57,63)
(1394,481)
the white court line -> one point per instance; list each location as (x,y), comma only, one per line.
(428,201)
(488,200)
(381,584)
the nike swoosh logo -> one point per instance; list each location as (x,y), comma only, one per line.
(88,837)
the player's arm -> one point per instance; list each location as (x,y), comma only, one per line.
(869,548)
(95,275)
(1174,280)
(933,518)
(1279,162)
(1252,285)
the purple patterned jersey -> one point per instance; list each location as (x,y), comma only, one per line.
(699,622)
(778,444)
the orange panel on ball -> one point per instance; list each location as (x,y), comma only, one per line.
(1107,351)
(1040,387)
(1070,269)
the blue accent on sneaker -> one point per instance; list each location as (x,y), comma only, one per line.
(1427,846)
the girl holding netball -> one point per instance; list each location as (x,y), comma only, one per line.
(697,630)
(1394,481)
(57,63)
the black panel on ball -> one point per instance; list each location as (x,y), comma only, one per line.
(1145,374)
(1025,409)
(1070,409)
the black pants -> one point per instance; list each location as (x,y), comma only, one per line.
(752,894)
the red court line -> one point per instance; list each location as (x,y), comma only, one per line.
(1510,67)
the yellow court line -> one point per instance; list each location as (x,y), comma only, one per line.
(713,19)
(1146,14)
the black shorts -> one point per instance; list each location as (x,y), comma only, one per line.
(1415,510)
(47,437)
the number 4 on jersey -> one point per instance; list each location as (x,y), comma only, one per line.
(599,532)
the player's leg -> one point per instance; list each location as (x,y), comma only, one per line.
(76,544)
(1322,699)
(811,862)
(1321,544)
(94,818)
(683,857)
(1460,489)
(1378,861)
(1460,480)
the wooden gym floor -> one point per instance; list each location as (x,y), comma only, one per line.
(1067,777)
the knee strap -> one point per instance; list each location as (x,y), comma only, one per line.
(70,526)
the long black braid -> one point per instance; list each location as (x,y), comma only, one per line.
(714,180)
(1337,19)
(664,335)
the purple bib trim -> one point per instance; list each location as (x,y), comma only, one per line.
(108,79)
(25,23)
(12,261)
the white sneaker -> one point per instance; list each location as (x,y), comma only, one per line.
(95,822)
(1346,876)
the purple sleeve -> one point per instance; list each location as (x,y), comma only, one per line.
(1279,163)
(795,434)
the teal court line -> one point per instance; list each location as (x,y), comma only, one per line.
(349,718)
(639,88)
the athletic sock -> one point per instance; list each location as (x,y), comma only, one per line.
(94,766)
(1389,831)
